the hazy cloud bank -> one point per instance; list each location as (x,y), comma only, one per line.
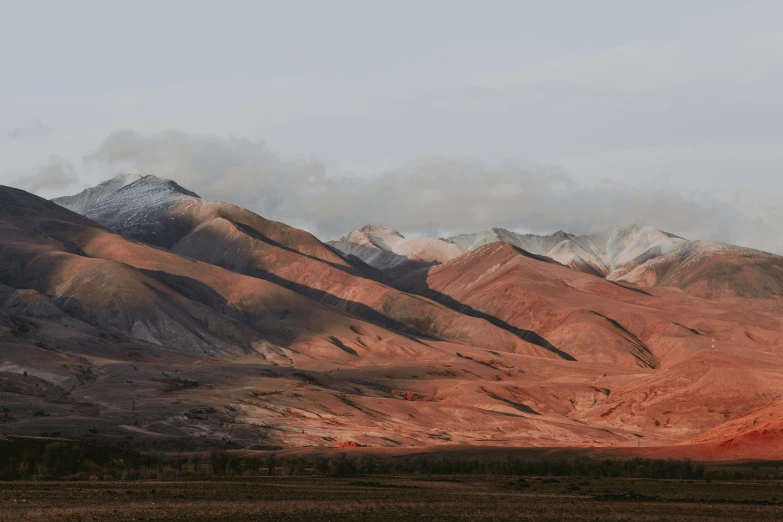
(57,174)
(434,196)
(35,130)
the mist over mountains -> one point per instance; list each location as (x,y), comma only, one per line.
(433,197)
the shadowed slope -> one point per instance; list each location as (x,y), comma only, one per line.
(241,241)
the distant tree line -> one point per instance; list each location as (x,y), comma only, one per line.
(48,459)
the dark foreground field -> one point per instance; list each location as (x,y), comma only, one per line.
(394,498)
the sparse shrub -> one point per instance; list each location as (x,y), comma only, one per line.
(253,465)
(234,465)
(271,463)
(219,461)
(61,458)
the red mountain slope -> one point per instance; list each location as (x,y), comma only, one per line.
(235,330)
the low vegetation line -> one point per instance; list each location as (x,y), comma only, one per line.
(41,458)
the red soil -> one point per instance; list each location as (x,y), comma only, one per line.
(285,337)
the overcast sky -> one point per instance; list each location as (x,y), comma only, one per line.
(428,116)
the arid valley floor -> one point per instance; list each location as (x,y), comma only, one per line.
(395,498)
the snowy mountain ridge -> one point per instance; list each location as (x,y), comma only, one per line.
(600,254)
(128,203)
(134,204)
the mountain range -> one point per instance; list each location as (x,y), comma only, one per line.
(137,311)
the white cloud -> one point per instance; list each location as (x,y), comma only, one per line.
(429,196)
(647,95)
(56,175)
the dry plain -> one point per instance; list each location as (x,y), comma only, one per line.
(384,498)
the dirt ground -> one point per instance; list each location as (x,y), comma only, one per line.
(393,498)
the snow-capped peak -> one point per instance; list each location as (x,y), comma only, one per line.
(127,201)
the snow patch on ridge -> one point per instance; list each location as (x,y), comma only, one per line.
(386,249)
(600,254)
(128,202)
